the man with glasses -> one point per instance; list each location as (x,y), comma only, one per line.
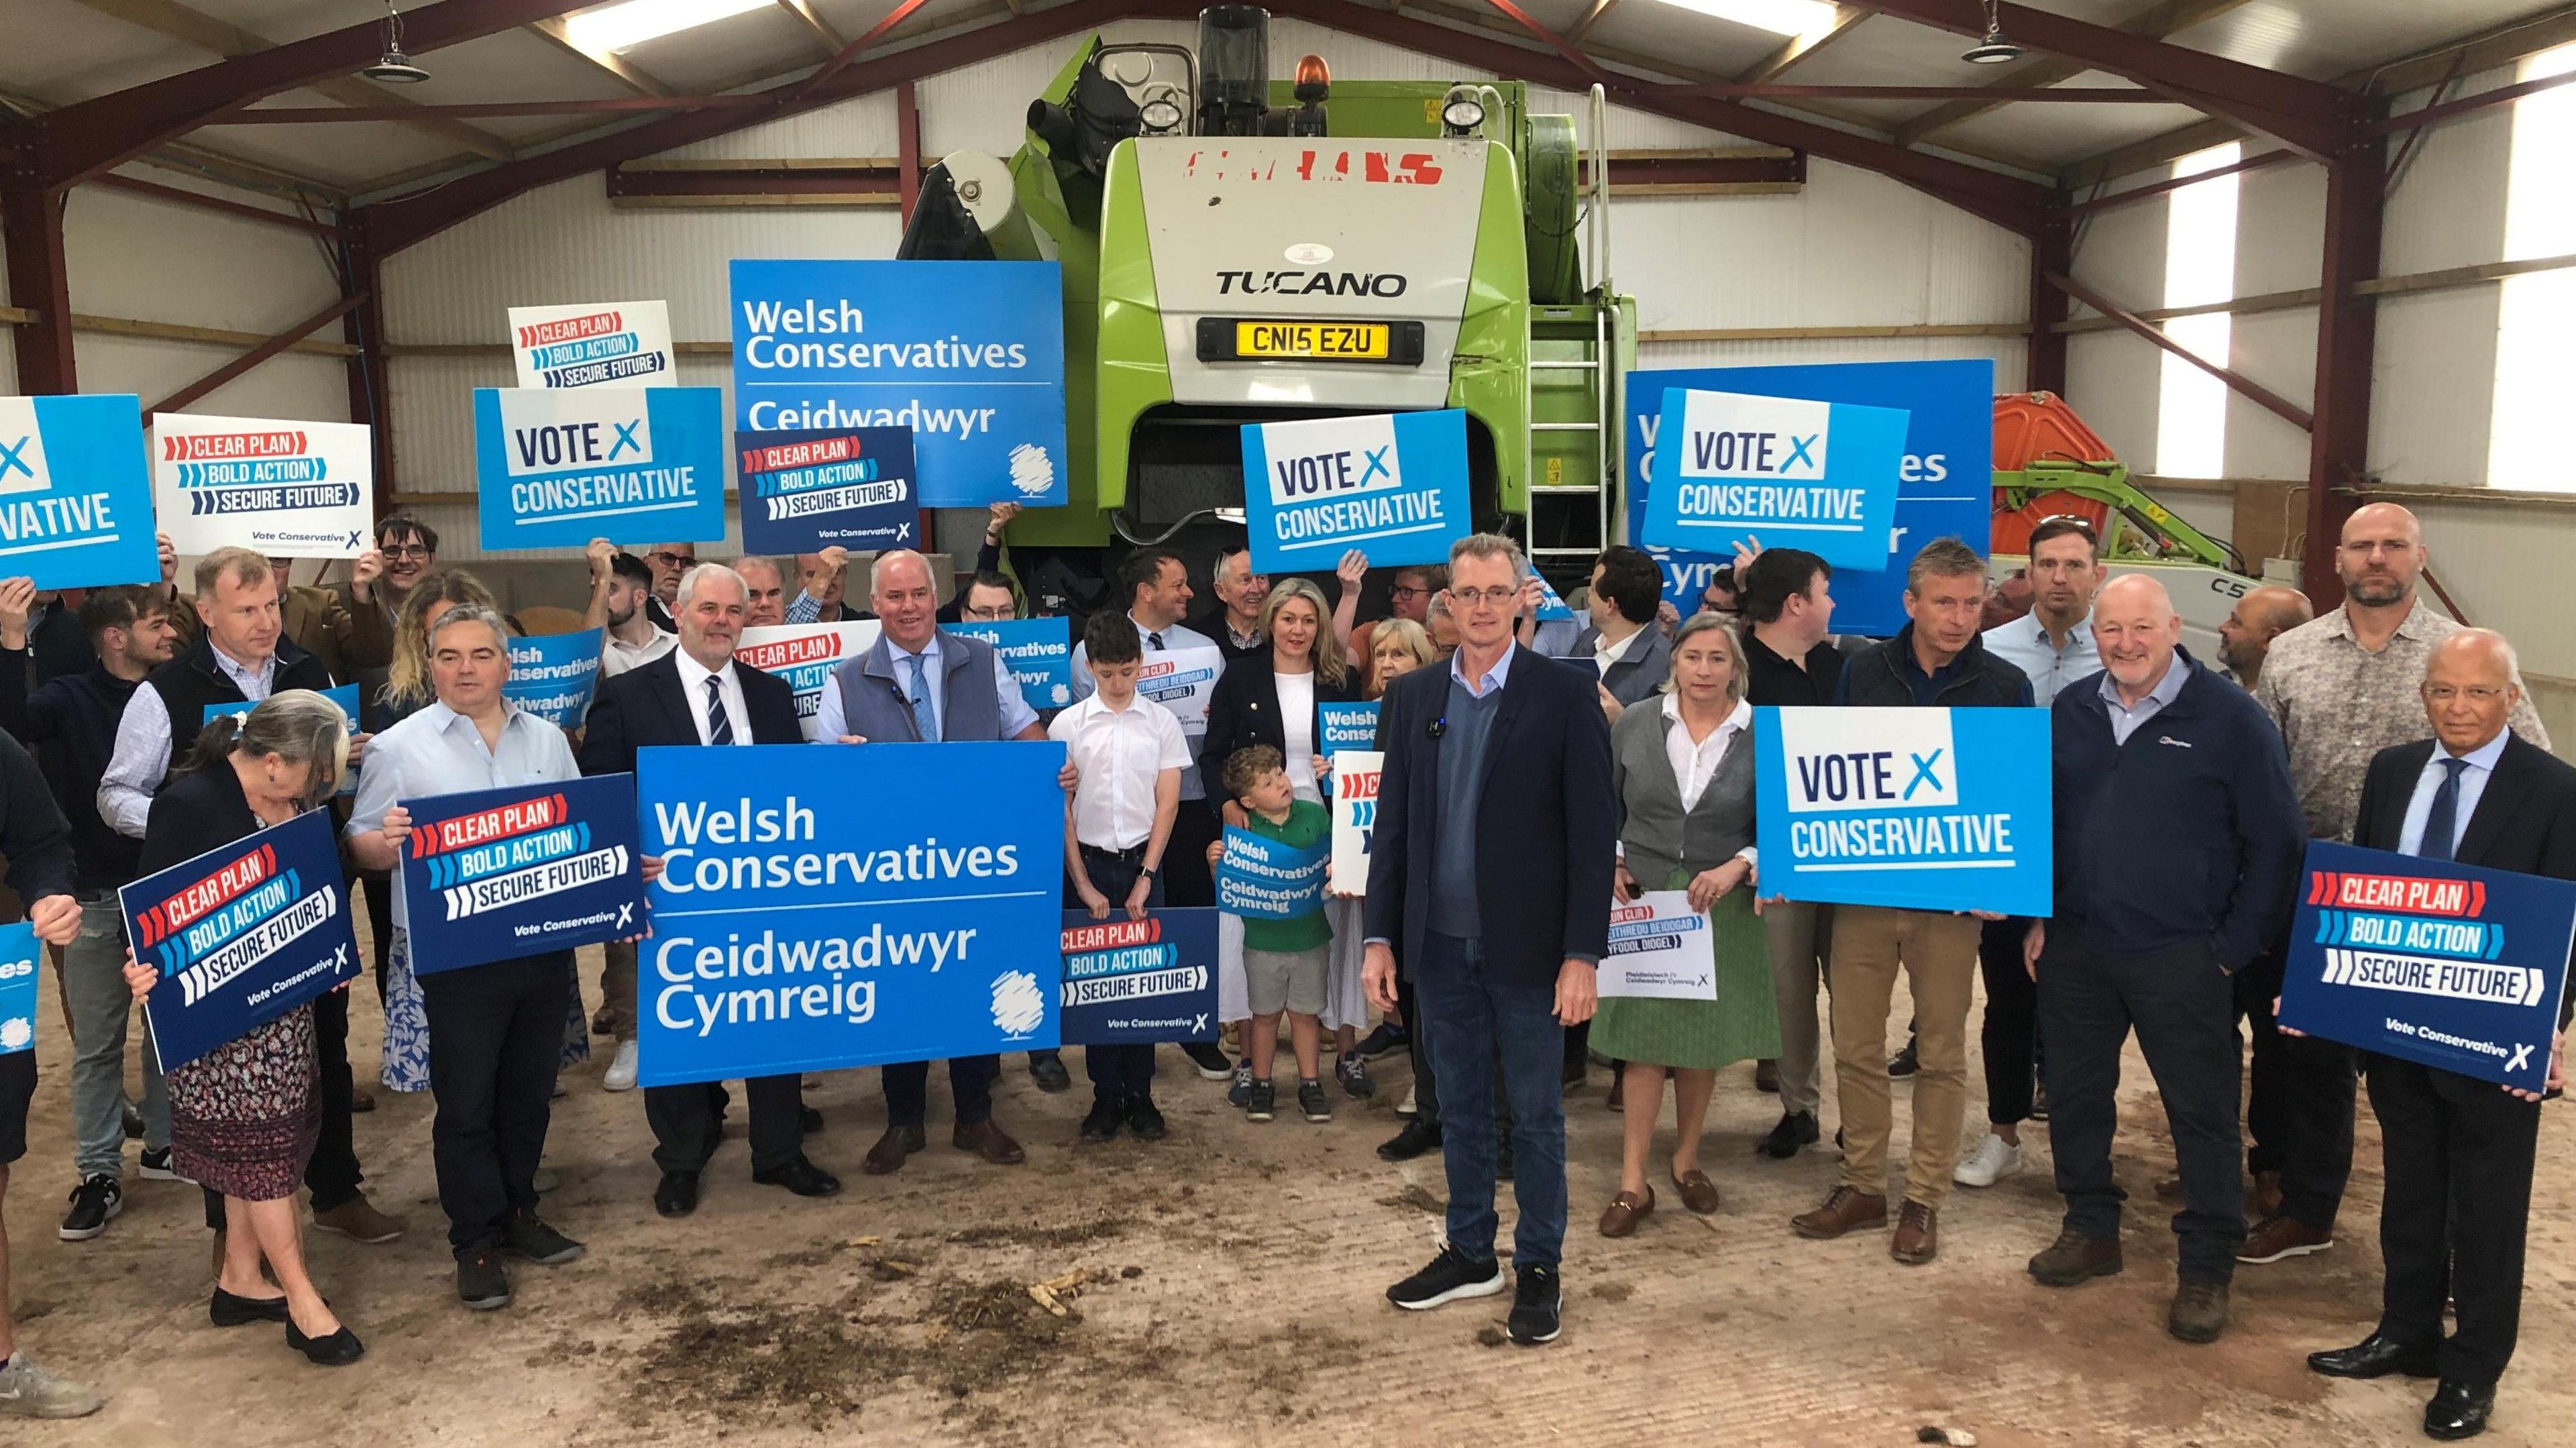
(1408,595)
(671,562)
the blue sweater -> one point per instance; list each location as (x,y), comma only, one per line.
(2190,831)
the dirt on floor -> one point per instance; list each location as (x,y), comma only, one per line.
(1221,1287)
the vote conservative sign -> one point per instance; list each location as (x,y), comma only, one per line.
(2445,964)
(1393,485)
(827,908)
(1814,475)
(805,654)
(1944,484)
(241,935)
(553,675)
(556,469)
(1037,651)
(968,354)
(1922,809)
(496,874)
(18,977)
(75,492)
(803,492)
(286,489)
(1138,982)
(601,344)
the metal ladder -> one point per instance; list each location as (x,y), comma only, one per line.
(1597,288)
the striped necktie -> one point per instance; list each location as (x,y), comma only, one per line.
(719,728)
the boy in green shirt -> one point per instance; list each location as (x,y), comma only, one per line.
(1284,961)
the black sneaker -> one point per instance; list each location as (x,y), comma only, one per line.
(1417,1138)
(1386,1040)
(1534,1307)
(1451,1276)
(480,1282)
(1046,1068)
(1352,1071)
(1241,1091)
(1260,1101)
(1901,1066)
(1313,1102)
(1143,1121)
(95,1203)
(1209,1058)
(532,1239)
(1102,1124)
(157,1167)
(1796,1132)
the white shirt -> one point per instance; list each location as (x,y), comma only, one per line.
(1605,657)
(1297,727)
(616,655)
(2024,644)
(2481,763)
(439,751)
(1695,764)
(693,682)
(142,758)
(1120,754)
(831,715)
(1170,636)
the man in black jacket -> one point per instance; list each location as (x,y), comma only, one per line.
(2178,845)
(2459,1150)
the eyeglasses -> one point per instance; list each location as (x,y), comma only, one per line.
(668,559)
(1498,597)
(404,550)
(1404,590)
(2475,693)
(998,613)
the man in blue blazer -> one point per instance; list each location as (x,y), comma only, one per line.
(1489,878)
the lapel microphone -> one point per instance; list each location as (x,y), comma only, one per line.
(1438,727)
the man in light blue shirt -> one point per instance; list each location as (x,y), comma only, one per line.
(2053,643)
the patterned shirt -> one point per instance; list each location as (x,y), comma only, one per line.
(2337,704)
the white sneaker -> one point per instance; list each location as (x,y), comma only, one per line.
(28,1391)
(620,1075)
(1406,1108)
(1992,1161)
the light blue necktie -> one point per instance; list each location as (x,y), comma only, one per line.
(923,719)
(2442,822)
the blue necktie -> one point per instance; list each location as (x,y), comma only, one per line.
(923,719)
(2442,822)
(719,728)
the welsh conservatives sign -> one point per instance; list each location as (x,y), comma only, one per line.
(75,492)
(1393,485)
(629,464)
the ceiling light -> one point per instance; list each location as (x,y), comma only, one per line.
(394,67)
(620,27)
(1780,17)
(1994,49)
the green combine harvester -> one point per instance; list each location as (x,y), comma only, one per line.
(1238,249)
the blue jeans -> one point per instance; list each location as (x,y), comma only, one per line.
(1475,1023)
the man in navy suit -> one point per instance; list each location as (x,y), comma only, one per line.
(1489,879)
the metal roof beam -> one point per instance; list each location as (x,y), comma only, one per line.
(1798,48)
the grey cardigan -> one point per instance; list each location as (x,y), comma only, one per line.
(1657,836)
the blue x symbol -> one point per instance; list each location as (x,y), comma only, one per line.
(1798,451)
(9,457)
(1376,463)
(625,438)
(1923,772)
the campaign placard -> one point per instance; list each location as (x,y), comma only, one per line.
(827,908)
(555,469)
(1039,654)
(1341,727)
(2448,965)
(594,344)
(1260,878)
(241,935)
(1921,809)
(967,354)
(805,491)
(1139,982)
(805,654)
(286,489)
(1944,478)
(496,874)
(553,675)
(1552,606)
(19,952)
(1393,485)
(344,695)
(1814,475)
(1183,681)
(1355,779)
(1659,947)
(75,492)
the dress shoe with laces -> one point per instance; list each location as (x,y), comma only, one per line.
(2379,1356)
(2075,1258)
(2459,1410)
(1845,1210)
(358,1220)
(809,1121)
(677,1194)
(988,1141)
(2199,1311)
(886,1157)
(1625,1211)
(800,1176)
(1918,1235)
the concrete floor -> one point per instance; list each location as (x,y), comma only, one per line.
(1233,1296)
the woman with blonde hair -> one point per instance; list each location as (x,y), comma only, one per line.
(1399,646)
(408,688)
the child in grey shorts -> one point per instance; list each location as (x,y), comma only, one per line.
(1284,960)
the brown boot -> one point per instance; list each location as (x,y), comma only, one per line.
(1625,1211)
(1918,1235)
(2263,1202)
(2074,1258)
(1845,1210)
(358,1219)
(2199,1311)
(886,1157)
(989,1142)
(2284,1236)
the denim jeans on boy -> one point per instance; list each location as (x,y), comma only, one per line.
(101,1003)
(1476,1024)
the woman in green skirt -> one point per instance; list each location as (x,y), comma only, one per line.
(1684,771)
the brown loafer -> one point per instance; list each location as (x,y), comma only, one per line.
(1845,1210)
(1918,1235)
(1698,1192)
(1625,1211)
(989,1142)
(886,1157)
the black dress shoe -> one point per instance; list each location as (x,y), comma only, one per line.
(226,1310)
(1416,1138)
(1102,1124)
(809,1120)
(2459,1410)
(2378,1356)
(1144,1121)
(1796,1132)
(800,1176)
(677,1196)
(1047,1069)
(336,1351)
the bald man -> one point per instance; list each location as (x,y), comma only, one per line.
(2178,847)
(2261,616)
(2342,689)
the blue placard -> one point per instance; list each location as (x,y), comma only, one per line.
(19,953)
(241,935)
(847,487)
(1344,726)
(553,675)
(496,874)
(1260,878)
(1945,482)
(2450,965)
(1552,607)
(1393,485)
(76,492)
(1137,982)
(1037,651)
(1814,475)
(1922,809)
(848,905)
(968,354)
(558,467)
(344,695)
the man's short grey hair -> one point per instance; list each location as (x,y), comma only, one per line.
(756,560)
(1486,545)
(470,613)
(700,574)
(877,570)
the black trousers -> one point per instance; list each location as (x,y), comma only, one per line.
(2183,1009)
(2009,1034)
(688,1121)
(2299,1105)
(495,1034)
(379,892)
(1120,1075)
(333,1174)
(970,1081)
(1186,877)
(2458,1155)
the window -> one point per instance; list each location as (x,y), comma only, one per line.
(2200,268)
(2534,367)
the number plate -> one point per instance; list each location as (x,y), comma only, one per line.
(1320,341)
